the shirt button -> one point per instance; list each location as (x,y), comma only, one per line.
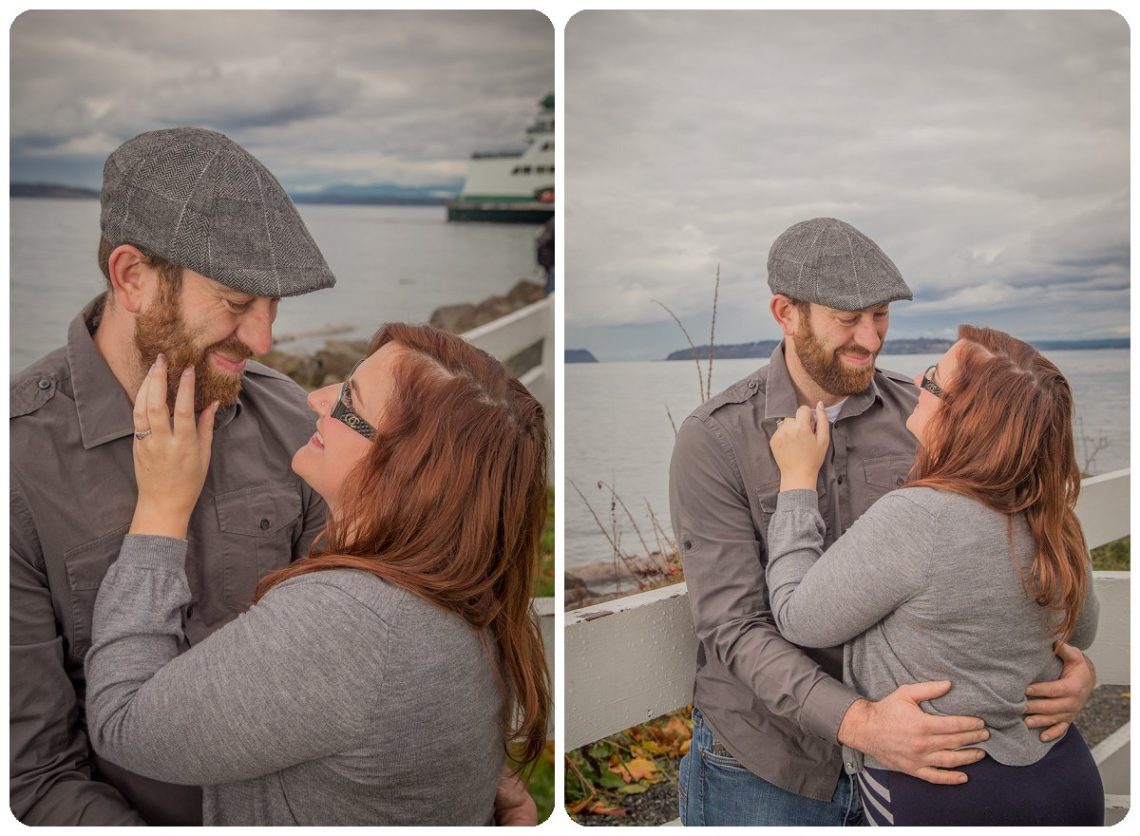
(687,545)
(839,479)
(44,383)
(850,768)
(900,480)
(752,384)
(264,525)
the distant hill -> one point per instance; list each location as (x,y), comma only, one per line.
(1082,345)
(579,355)
(921,345)
(390,194)
(763,348)
(49,190)
(378,194)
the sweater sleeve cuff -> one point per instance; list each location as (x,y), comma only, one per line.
(149,551)
(800,499)
(825,706)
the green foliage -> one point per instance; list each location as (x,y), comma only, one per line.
(541,783)
(544,585)
(600,775)
(1114,556)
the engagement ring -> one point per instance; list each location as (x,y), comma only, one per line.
(141,434)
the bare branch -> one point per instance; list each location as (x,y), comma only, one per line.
(605,533)
(712,334)
(693,348)
(632,521)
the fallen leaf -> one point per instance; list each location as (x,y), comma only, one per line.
(599,808)
(640,768)
(679,728)
(578,806)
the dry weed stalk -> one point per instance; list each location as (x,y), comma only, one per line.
(617,550)
(614,496)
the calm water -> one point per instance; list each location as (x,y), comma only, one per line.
(618,431)
(391,263)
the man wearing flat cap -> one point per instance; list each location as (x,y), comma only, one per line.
(199,243)
(777,737)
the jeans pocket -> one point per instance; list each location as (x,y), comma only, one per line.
(716,755)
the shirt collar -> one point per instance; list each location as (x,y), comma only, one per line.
(102,405)
(780,395)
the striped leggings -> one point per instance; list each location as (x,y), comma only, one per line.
(1062,788)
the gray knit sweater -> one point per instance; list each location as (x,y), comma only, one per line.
(337,699)
(922,587)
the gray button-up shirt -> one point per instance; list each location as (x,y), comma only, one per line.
(775,707)
(72,495)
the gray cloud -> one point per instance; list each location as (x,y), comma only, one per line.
(320,97)
(986,152)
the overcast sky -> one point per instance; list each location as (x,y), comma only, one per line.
(319,97)
(986,153)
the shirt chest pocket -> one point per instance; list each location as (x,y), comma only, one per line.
(885,473)
(85,567)
(258,526)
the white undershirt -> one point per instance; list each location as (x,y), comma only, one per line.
(833,411)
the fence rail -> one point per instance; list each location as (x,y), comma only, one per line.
(634,658)
(511,335)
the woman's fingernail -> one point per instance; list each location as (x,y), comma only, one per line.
(189,370)
(161,358)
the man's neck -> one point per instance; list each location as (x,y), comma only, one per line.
(114,341)
(808,392)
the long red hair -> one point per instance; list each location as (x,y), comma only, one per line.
(1004,436)
(450,504)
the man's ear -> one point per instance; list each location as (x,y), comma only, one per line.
(786,313)
(133,280)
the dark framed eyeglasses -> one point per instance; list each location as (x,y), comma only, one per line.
(928,382)
(342,410)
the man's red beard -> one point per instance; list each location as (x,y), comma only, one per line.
(827,368)
(162,330)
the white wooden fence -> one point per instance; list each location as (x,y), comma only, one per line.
(509,335)
(634,658)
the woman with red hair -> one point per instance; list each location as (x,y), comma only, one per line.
(386,677)
(971,572)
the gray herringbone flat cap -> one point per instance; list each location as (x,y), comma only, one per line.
(200,200)
(831,263)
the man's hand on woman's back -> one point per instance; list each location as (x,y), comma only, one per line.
(901,736)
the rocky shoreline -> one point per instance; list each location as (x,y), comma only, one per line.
(334,360)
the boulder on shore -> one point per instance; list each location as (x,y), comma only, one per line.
(458,319)
(332,363)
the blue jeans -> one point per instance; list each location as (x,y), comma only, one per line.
(714,789)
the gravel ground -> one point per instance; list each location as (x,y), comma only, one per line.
(1107,711)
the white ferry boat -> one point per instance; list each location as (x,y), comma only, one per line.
(512,186)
